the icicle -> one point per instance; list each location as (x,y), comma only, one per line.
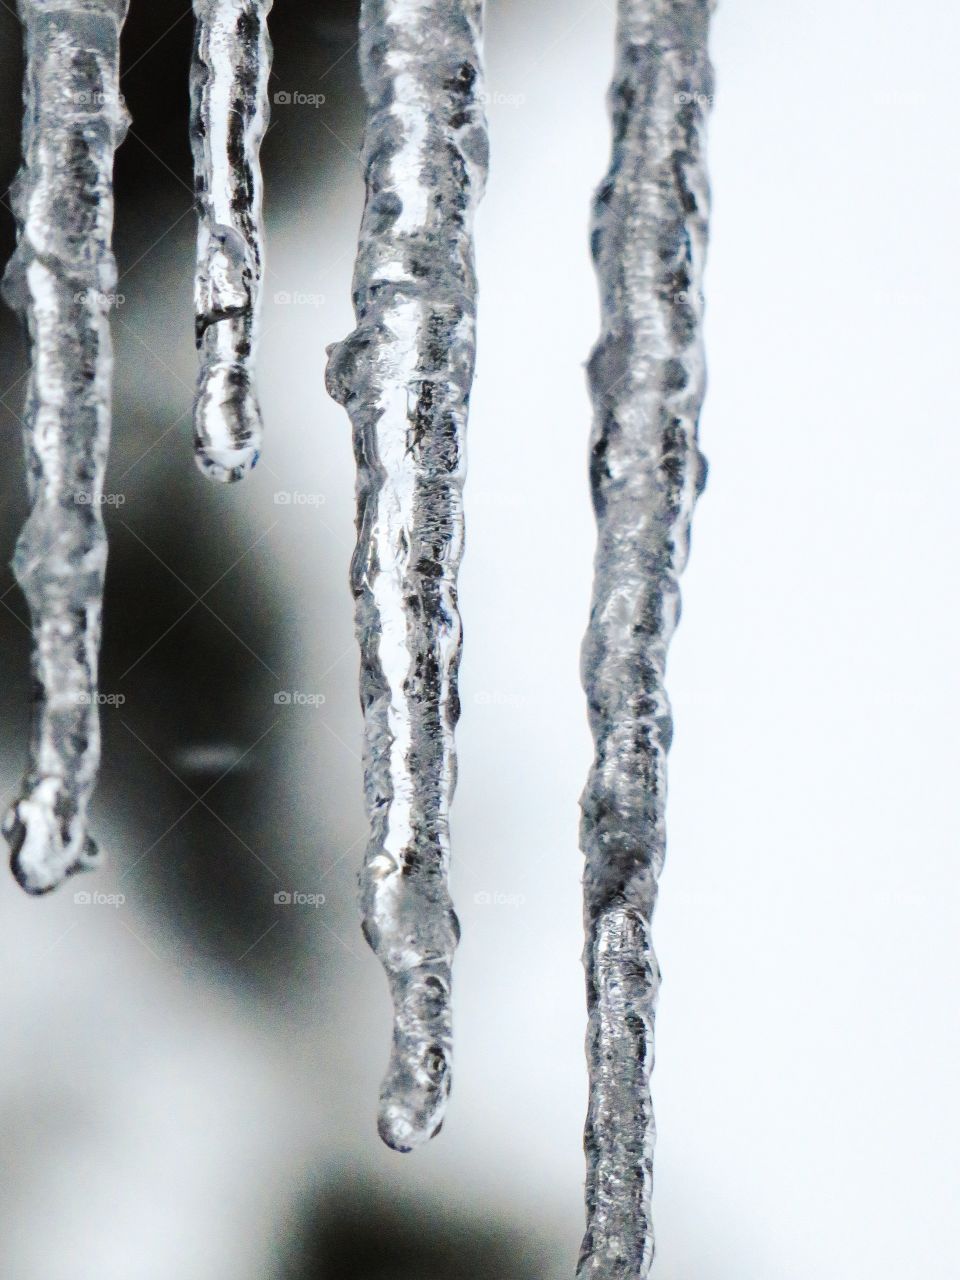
(230,108)
(404,375)
(647,383)
(60,279)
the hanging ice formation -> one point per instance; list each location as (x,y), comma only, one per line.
(404,375)
(647,383)
(60,279)
(230,108)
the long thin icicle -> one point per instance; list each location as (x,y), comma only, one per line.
(404,375)
(647,382)
(230,110)
(60,279)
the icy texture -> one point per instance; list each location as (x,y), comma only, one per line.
(230,108)
(404,375)
(60,280)
(647,382)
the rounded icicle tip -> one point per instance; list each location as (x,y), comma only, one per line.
(399,1129)
(411,1111)
(225,465)
(227,427)
(416,1088)
(43,853)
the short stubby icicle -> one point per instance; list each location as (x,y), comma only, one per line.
(229,113)
(404,375)
(647,384)
(61,280)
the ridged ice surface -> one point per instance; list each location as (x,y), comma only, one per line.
(229,113)
(404,375)
(60,279)
(647,383)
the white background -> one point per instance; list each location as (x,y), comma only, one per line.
(807,1049)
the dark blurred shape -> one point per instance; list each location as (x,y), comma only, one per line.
(364,1232)
(189,741)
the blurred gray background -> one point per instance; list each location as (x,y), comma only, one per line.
(188,1076)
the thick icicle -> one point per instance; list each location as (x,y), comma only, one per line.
(60,279)
(404,375)
(230,108)
(647,383)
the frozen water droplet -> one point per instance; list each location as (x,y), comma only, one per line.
(227,423)
(229,113)
(44,848)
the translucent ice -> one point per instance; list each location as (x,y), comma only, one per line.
(61,279)
(230,108)
(647,383)
(404,375)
